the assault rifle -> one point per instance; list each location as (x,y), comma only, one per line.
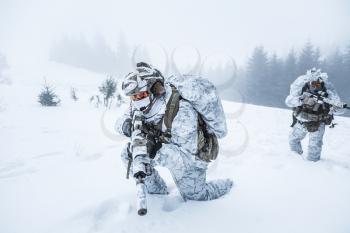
(320,97)
(141,162)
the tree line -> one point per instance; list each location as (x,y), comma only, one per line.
(266,78)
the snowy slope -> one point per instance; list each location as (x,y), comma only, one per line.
(61,172)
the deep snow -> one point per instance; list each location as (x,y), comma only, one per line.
(59,172)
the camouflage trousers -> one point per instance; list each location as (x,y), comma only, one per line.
(189,178)
(315,141)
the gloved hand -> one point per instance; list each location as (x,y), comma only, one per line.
(152,146)
(310,100)
(126,128)
(302,98)
(305,95)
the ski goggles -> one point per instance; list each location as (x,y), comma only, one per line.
(316,84)
(139,96)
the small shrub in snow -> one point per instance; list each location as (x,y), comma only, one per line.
(96,100)
(119,100)
(73,94)
(108,89)
(48,97)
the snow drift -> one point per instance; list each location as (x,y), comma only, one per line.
(60,172)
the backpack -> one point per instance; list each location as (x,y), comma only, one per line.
(211,117)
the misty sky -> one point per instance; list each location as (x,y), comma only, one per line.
(27,27)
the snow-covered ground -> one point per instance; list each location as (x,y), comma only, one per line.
(60,170)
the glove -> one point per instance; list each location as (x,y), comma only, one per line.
(303,96)
(152,146)
(310,101)
(126,128)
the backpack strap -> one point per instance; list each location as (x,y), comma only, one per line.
(172,108)
(208,146)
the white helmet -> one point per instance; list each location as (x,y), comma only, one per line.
(316,80)
(146,83)
(316,75)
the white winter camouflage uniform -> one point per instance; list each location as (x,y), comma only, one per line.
(299,131)
(179,156)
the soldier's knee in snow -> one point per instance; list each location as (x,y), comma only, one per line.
(315,151)
(295,146)
(155,183)
(313,158)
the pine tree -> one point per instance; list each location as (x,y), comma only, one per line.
(276,80)
(257,73)
(275,68)
(290,66)
(316,57)
(108,89)
(334,64)
(104,57)
(308,58)
(346,61)
(344,76)
(48,97)
(80,53)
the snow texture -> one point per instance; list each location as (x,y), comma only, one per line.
(59,172)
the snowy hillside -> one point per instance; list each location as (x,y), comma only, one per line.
(60,170)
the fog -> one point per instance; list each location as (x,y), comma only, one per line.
(28,28)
